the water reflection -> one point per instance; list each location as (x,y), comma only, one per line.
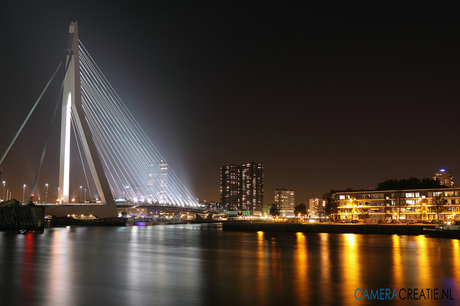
(276,271)
(301,267)
(194,265)
(261,277)
(61,268)
(325,267)
(27,279)
(424,265)
(351,268)
(398,276)
(456,265)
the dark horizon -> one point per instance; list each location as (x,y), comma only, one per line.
(325,95)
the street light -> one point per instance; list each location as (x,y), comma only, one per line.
(3,198)
(46,194)
(23,192)
(84,200)
(80,193)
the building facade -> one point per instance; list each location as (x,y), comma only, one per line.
(415,205)
(285,200)
(316,208)
(252,186)
(242,187)
(230,187)
(444,178)
(164,182)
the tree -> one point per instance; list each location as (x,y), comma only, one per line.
(331,204)
(400,201)
(274,211)
(300,209)
(410,183)
(438,203)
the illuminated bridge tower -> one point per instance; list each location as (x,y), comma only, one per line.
(72,108)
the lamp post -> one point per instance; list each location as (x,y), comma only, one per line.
(80,194)
(46,193)
(23,192)
(84,199)
(3,198)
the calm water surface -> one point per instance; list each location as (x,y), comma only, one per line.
(203,265)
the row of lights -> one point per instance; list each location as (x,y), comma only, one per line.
(46,193)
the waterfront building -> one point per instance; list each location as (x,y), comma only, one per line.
(230,189)
(316,207)
(411,205)
(242,187)
(444,178)
(252,186)
(284,198)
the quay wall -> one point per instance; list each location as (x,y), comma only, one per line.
(386,229)
(102,211)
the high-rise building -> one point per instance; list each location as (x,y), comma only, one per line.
(444,178)
(252,186)
(164,181)
(285,200)
(230,190)
(241,187)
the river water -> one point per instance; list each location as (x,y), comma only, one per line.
(199,264)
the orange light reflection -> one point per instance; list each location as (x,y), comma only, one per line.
(424,275)
(456,255)
(261,277)
(398,276)
(301,267)
(325,267)
(351,271)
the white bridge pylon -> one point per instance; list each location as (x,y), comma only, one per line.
(72,106)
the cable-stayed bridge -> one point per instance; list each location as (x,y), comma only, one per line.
(135,169)
(120,159)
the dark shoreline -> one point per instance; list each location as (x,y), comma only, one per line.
(385,229)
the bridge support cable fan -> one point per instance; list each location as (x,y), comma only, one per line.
(135,169)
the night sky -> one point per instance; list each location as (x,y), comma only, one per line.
(327,95)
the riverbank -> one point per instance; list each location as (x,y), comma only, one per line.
(386,229)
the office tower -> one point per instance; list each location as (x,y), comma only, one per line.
(444,178)
(285,200)
(241,187)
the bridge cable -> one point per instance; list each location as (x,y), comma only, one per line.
(133,165)
(30,113)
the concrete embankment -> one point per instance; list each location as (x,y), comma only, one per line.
(386,229)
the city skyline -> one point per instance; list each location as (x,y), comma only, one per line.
(325,96)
